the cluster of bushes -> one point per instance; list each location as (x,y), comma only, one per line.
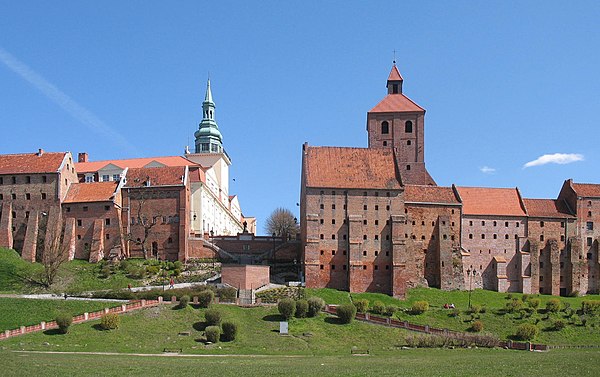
(419,307)
(217,329)
(274,295)
(362,306)
(301,308)
(452,340)
(137,270)
(224,294)
(527,331)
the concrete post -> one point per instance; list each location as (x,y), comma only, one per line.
(7,333)
(124,307)
(43,325)
(195,300)
(106,310)
(143,303)
(160,299)
(388,320)
(366,316)
(427,329)
(173,299)
(22,329)
(86,316)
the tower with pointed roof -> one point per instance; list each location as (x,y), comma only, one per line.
(208,136)
(398,122)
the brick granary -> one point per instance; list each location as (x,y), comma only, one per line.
(374,220)
(161,207)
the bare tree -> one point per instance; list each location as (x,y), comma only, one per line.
(55,254)
(147,221)
(282,223)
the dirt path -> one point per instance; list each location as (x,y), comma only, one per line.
(166,354)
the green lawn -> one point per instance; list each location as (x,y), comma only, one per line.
(15,312)
(413,362)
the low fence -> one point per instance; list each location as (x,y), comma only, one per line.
(88,316)
(387,321)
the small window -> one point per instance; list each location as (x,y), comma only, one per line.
(68,209)
(483,223)
(562,224)
(483,236)
(322,206)
(28,196)
(517,224)
(107,236)
(85,208)
(562,238)
(321,267)
(376,236)
(332,252)
(541,237)
(333,266)
(106,208)
(408,142)
(333,236)
(13,196)
(376,222)
(495,236)
(385,143)
(376,208)
(322,236)
(541,224)
(364,267)
(470,236)
(79,236)
(506,224)
(470,223)
(407,167)
(376,267)
(589,241)
(170,240)
(494,223)
(14,180)
(79,223)
(27,179)
(408,127)
(344,237)
(506,236)
(106,221)
(385,127)
(589,225)
(44,179)
(365,207)
(364,222)
(333,206)
(321,221)
(322,252)
(105,178)
(387,208)
(43,196)
(332,221)
(364,236)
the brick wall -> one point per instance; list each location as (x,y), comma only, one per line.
(245,276)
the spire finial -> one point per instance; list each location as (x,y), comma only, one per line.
(394,61)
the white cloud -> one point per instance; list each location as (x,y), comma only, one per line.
(68,104)
(556,158)
(487,170)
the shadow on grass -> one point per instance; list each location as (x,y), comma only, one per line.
(200,326)
(273,318)
(53,332)
(334,321)
(98,327)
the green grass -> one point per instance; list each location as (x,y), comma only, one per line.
(15,312)
(331,296)
(414,362)
(12,265)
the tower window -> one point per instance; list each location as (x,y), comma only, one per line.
(385,143)
(408,142)
(394,88)
(385,127)
(408,126)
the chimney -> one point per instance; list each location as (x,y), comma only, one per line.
(82,157)
(40,152)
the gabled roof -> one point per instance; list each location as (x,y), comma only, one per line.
(91,192)
(336,167)
(430,194)
(491,201)
(417,175)
(197,174)
(395,74)
(587,189)
(393,103)
(158,176)
(92,167)
(32,163)
(549,208)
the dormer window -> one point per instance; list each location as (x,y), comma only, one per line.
(395,89)
(385,127)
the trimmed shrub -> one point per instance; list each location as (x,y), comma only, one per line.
(477,326)
(452,340)
(534,303)
(213,317)
(390,310)
(227,294)
(301,308)
(419,307)
(63,321)
(286,307)
(205,298)
(110,321)
(514,305)
(378,307)
(315,305)
(525,297)
(152,270)
(212,333)
(455,312)
(475,309)
(183,302)
(346,312)
(559,324)
(178,265)
(527,331)
(229,330)
(591,307)
(483,309)
(361,305)
(553,305)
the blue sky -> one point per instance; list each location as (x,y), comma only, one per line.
(503,82)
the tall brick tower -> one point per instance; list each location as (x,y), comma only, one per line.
(398,122)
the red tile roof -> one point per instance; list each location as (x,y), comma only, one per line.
(491,201)
(547,208)
(417,175)
(393,103)
(88,167)
(159,176)
(587,189)
(337,167)
(32,163)
(197,174)
(395,75)
(91,192)
(430,194)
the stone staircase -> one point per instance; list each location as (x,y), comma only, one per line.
(246,297)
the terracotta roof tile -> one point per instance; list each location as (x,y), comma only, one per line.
(430,194)
(91,192)
(587,189)
(395,74)
(197,174)
(88,167)
(547,208)
(337,167)
(417,175)
(33,163)
(158,176)
(393,103)
(491,201)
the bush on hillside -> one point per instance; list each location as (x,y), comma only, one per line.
(553,305)
(378,307)
(477,326)
(419,307)
(301,308)
(213,317)
(212,333)
(286,307)
(205,298)
(591,307)
(315,305)
(534,303)
(346,312)
(110,321)
(362,305)
(227,294)
(63,321)
(183,302)
(229,330)
(514,305)
(527,331)
(390,310)
(559,324)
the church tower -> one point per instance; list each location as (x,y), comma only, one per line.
(397,122)
(208,136)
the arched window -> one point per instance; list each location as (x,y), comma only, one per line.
(385,127)
(408,126)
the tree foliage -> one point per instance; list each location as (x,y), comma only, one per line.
(282,223)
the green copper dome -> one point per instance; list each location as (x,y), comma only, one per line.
(208,136)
